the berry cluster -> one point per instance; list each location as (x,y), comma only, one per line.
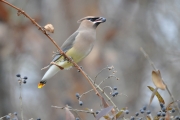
(22,80)
(115,92)
(78,97)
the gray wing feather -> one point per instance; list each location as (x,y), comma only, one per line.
(66,45)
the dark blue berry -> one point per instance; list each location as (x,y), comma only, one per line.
(137,114)
(77,118)
(18,75)
(126,111)
(163,108)
(39,119)
(25,78)
(80,103)
(148,112)
(159,114)
(15,113)
(163,114)
(162,105)
(177,117)
(113,94)
(142,111)
(24,81)
(173,110)
(116,92)
(97,112)
(144,108)
(77,95)
(115,88)
(132,118)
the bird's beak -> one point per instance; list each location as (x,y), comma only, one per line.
(101,20)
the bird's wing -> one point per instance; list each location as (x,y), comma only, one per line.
(69,42)
(66,45)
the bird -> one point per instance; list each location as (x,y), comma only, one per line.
(76,47)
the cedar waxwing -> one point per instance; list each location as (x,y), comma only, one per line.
(77,46)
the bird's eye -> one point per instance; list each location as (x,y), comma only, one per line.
(92,19)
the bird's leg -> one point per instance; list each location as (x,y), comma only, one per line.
(71,59)
(53,63)
(55,53)
(45,67)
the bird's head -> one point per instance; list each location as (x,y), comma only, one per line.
(91,21)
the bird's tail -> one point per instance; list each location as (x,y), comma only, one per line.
(41,83)
(50,73)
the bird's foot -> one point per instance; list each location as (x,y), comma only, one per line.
(53,63)
(55,53)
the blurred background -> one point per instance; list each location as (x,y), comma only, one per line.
(131,24)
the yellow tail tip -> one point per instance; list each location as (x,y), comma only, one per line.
(41,84)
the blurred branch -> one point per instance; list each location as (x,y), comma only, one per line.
(59,49)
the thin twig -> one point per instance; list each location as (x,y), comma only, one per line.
(85,93)
(75,110)
(110,68)
(147,57)
(20,98)
(59,49)
(107,78)
(109,88)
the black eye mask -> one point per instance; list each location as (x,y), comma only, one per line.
(92,19)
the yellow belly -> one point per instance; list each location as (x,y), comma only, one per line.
(75,55)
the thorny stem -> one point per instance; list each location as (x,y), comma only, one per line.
(59,49)
(154,67)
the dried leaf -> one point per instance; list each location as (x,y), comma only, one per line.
(69,115)
(106,117)
(161,100)
(49,28)
(105,104)
(157,80)
(156,118)
(152,95)
(104,112)
(169,105)
(148,118)
(121,112)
